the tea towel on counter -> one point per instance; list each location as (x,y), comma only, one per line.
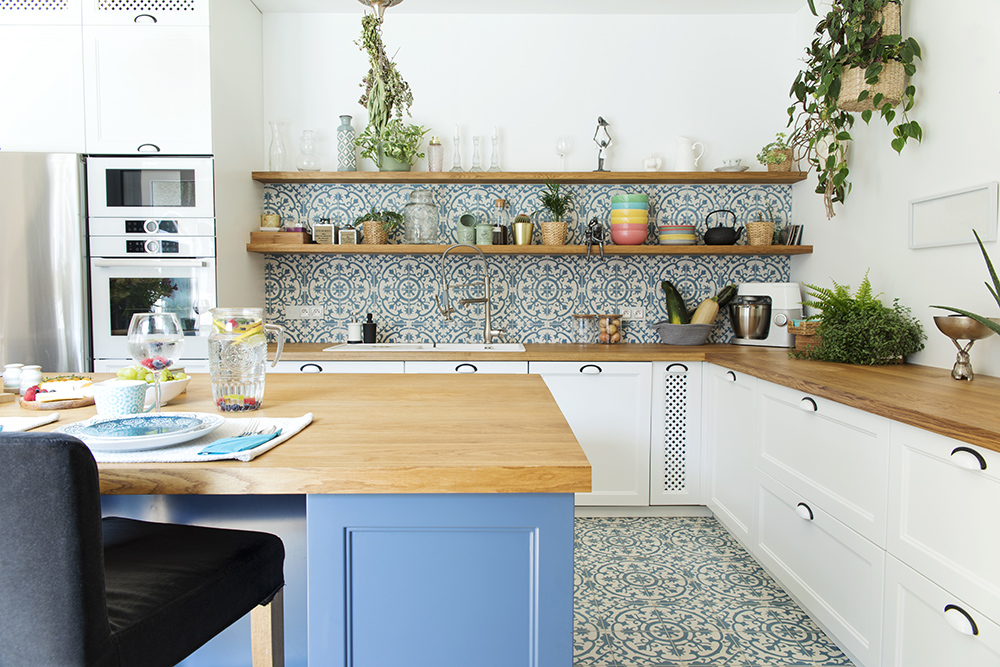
(27,423)
(188,451)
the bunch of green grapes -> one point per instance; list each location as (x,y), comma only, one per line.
(140,372)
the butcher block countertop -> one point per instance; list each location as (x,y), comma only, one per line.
(921,396)
(378,434)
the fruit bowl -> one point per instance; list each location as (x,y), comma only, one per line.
(168,391)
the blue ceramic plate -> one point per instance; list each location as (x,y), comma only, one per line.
(141,432)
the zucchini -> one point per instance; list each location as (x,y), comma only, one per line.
(677,312)
(726,295)
(706,312)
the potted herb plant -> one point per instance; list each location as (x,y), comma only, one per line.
(777,155)
(859,329)
(558,206)
(857,50)
(377,225)
(391,143)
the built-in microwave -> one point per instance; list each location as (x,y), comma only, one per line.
(150,187)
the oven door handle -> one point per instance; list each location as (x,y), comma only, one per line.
(179,263)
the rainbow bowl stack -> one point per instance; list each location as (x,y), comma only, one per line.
(629,219)
(676,234)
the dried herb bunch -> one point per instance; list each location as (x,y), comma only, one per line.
(386,93)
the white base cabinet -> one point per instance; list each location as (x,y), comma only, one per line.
(675,436)
(480,367)
(336,367)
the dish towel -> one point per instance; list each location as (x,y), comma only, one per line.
(188,451)
(27,423)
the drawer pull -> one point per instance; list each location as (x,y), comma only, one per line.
(310,368)
(966,457)
(147,148)
(804,511)
(960,619)
(731,375)
(590,369)
(808,404)
(683,368)
(466,368)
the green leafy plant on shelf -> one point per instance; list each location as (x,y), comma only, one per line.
(555,203)
(398,140)
(849,38)
(775,152)
(859,328)
(390,219)
(994,290)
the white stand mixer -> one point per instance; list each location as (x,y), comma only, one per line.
(760,314)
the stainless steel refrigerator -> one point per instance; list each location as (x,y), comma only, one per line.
(44,302)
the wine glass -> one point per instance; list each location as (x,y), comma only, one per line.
(155,340)
(563,145)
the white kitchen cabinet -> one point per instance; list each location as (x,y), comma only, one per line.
(607,405)
(481,367)
(147,89)
(336,367)
(145,12)
(40,12)
(730,442)
(834,455)
(675,434)
(926,626)
(831,570)
(943,496)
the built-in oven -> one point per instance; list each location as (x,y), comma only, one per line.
(150,187)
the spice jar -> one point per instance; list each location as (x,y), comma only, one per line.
(584,328)
(609,328)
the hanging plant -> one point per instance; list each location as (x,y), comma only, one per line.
(857,47)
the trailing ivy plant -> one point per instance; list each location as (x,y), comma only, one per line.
(849,35)
(859,329)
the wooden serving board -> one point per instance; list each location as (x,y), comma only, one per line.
(55,405)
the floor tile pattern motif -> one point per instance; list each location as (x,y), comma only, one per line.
(680,591)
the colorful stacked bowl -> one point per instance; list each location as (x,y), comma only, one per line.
(629,219)
(676,234)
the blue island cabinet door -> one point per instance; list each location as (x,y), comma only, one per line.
(449,580)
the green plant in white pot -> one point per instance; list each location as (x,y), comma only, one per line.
(391,143)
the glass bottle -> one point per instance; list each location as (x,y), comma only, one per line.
(276,153)
(456,152)
(346,155)
(435,155)
(307,160)
(501,222)
(475,155)
(420,218)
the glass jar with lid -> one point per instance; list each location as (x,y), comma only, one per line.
(584,328)
(609,328)
(420,218)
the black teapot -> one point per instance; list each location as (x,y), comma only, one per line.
(720,235)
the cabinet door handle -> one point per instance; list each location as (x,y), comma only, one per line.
(683,368)
(804,511)
(144,18)
(731,375)
(466,368)
(808,404)
(152,148)
(590,369)
(310,368)
(960,619)
(966,457)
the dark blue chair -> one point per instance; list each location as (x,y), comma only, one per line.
(80,591)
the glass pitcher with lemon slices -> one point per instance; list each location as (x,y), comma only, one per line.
(237,354)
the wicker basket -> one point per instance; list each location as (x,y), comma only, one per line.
(784,165)
(682,334)
(891,81)
(760,232)
(375,234)
(806,334)
(554,233)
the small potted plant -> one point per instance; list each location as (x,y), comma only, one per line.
(859,329)
(376,225)
(777,155)
(396,148)
(558,206)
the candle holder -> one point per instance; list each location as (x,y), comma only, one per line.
(958,327)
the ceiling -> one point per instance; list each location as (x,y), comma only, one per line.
(541,6)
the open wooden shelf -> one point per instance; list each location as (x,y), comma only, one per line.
(581,177)
(401,249)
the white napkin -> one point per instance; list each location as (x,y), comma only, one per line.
(188,451)
(27,423)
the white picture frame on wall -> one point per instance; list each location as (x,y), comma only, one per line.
(949,218)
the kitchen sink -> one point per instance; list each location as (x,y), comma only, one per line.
(425,347)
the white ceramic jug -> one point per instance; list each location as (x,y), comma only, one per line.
(686,158)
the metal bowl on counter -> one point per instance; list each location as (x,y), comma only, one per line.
(750,316)
(960,327)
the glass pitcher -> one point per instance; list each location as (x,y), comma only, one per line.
(237,353)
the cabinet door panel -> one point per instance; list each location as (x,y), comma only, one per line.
(607,406)
(675,434)
(481,367)
(337,367)
(145,12)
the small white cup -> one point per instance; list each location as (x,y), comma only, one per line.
(732,163)
(115,398)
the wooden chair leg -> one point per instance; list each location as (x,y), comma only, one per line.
(267,633)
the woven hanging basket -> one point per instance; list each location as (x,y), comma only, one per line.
(760,232)
(891,81)
(554,233)
(375,234)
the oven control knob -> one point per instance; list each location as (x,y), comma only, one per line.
(780,319)
(151,226)
(153,246)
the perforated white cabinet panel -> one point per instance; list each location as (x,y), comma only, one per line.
(40,12)
(160,12)
(675,434)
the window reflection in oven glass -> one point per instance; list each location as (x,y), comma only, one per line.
(150,187)
(144,295)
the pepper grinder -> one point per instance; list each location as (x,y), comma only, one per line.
(369,329)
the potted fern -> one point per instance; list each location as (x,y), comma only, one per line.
(558,206)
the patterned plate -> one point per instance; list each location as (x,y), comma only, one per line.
(140,432)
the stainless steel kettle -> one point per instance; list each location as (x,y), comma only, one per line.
(720,235)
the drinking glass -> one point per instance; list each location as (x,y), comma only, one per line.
(563,146)
(155,340)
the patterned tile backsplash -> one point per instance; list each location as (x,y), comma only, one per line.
(534,296)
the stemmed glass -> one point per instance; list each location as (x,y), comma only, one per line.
(155,340)
(563,145)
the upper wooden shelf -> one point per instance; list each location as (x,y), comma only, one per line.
(582,177)
(401,249)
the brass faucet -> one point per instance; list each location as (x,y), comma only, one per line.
(444,302)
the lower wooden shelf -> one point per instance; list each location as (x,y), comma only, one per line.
(401,249)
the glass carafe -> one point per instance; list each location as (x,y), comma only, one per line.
(237,353)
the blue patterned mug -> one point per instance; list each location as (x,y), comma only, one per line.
(120,397)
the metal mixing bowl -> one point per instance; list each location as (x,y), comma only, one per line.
(750,317)
(960,327)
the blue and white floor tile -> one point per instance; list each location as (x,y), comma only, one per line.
(680,591)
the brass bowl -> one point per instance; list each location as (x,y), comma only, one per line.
(960,327)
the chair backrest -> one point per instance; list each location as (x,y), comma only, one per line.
(53,609)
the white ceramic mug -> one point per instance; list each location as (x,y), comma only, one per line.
(115,398)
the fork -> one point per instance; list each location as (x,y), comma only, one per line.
(249,430)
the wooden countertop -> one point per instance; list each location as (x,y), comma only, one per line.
(921,396)
(379,434)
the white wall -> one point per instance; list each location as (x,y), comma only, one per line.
(958,104)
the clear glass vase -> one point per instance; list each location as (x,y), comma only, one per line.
(276,153)
(307,160)
(421,218)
